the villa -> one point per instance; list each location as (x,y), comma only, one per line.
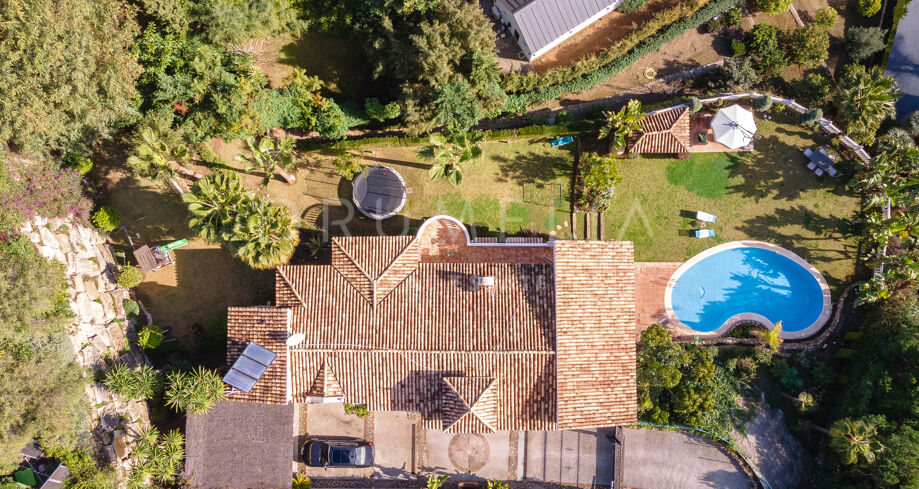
(475,336)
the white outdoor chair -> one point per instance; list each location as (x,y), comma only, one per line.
(705,216)
(705,233)
(808,151)
(819,172)
(832,172)
(823,150)
(811,166)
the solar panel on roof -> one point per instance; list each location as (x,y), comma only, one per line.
(259,354)
(249,367)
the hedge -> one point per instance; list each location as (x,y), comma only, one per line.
(520,102)
(629,6)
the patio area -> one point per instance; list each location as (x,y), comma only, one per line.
(701,124)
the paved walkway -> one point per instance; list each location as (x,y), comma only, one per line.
(655,459)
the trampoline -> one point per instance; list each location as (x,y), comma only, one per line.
(379,192)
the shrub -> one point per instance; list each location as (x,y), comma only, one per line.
(912,123)
(564,117)
(131,308)
(132,385)
(107,218)
(348,166)
(150,337)
(78,162)
(862,42)
(812,89)
(84,472)
(773,7)
(810,117)
(738,48)
(791,381)
(826,17)
(808,46)
(40,188)
(600,177)
(845,353)
(629,6)
(331,122)
(358,410)
(738,75)
(301,481)
(195,392)
(694,105)
(868,8)
(733,17)
(379,112)
(763,103)
(129,277)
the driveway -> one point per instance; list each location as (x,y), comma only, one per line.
(575,457)
(655,459)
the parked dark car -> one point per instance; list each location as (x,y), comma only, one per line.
(337,453)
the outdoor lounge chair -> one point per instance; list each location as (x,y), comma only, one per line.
(808,151)
(705,216)
(705,233)
(811,166)
(819,172)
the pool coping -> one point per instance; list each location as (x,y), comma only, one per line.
(748,316)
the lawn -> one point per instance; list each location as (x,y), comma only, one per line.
(766,195)
(520,186)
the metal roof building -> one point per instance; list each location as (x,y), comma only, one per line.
(540,25)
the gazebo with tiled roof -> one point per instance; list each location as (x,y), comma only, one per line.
(664,132)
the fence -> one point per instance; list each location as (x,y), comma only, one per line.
(729,444)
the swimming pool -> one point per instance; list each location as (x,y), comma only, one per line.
(748,280)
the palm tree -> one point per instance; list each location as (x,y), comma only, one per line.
(620,124)
(271,157)
(449,151)
(771,337)
(156,160)
(855,439)
(264,235)
(805,402)
(213,204)
(866,97)
(195,392)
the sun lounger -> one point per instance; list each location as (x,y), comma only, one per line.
(562,141)
(811,166)
(819,172)
(705,216)
(705,233)
(808,151)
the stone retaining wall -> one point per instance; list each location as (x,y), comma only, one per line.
(100,330)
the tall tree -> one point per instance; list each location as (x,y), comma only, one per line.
(450,151)
(620,124)
(66,72)
(866,97)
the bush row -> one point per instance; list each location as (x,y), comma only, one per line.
(520,102)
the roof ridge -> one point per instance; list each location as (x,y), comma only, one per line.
(389,266)
(293,289)
(359,268)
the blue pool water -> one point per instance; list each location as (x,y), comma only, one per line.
(746,280)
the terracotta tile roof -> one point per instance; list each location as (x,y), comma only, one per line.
(664,133)
(325,384)
(268,327)
(595,330)
(402,329)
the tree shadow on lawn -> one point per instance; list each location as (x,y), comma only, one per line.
(534,168)
(776,171)
(769,228)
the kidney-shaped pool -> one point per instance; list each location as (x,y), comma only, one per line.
(748,280)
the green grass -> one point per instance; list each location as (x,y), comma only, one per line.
(706,174)
(766,195)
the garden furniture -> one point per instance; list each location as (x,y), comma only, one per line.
(819,172)
(705,233)
(733,127)
(811,166)
(832,172)
(561,141)
(705,216)
(808,152)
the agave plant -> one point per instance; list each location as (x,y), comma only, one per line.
(449,151)
(620,124)
(155,159)
(195,392)
(271,157)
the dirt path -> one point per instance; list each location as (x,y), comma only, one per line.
(600,35)
(773,449)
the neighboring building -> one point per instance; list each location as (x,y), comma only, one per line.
(540,25)
(475,336)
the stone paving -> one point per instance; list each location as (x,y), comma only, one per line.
(100,330)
